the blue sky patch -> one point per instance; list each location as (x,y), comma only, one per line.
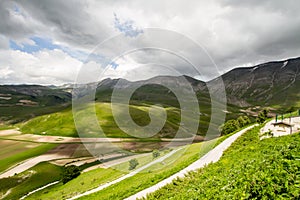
(127,27)
(114,65)
(46,43)
(40,44)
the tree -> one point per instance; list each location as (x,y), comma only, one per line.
(155,153)
(243,121)
(229,127)
(133,163)
(262,116)
(69,173)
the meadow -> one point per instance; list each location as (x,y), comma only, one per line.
(154,173)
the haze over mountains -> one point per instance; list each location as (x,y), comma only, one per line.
(274,84)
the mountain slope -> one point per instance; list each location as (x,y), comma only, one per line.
(274,84)
(21,102)
(269,84)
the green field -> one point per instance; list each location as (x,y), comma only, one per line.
(249,169)
(148,177)
(13,152)
(154,173)
(31,179)
(84,182)
(89,180)
(62,123)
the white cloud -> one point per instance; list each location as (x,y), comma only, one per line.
(44,67)
(235,33)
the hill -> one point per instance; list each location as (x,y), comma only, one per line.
(274,84)
(62,123)
(21,102)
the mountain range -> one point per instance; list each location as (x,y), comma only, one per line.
(273,84)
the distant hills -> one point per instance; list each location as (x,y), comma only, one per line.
(272,84)
(20,102)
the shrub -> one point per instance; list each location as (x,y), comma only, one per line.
(155,154)
(229,126)
(262,116)
(243,121)
(133,163)
(69,173)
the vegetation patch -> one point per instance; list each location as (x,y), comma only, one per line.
(154,173)
(19,185)
(249,169)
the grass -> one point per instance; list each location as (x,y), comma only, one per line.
(31,179)
(89,180)
(82,183)
(5,126)
(62,123)
(94,178)
(13,152)
(154,173)
(249,169)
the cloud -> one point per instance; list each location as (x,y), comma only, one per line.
(43,67)
(235,33)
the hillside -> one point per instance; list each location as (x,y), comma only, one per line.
(249,169)
(273,84)
(22,102)
(62,123)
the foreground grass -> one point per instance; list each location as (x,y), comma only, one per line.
(155,173)
(20,151)
(37,176)
(249,169)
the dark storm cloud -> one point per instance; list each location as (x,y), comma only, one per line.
(234,32)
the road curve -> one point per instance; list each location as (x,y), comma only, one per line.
(212,156)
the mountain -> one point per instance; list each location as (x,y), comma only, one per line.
(154,90)
(20,102)
(274,84)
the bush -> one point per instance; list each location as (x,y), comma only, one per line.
(243,121)
(233,125)
(69,173)
(133,163)
(155,154)
(229,127)
(262,116)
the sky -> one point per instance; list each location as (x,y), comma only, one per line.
(53,42)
